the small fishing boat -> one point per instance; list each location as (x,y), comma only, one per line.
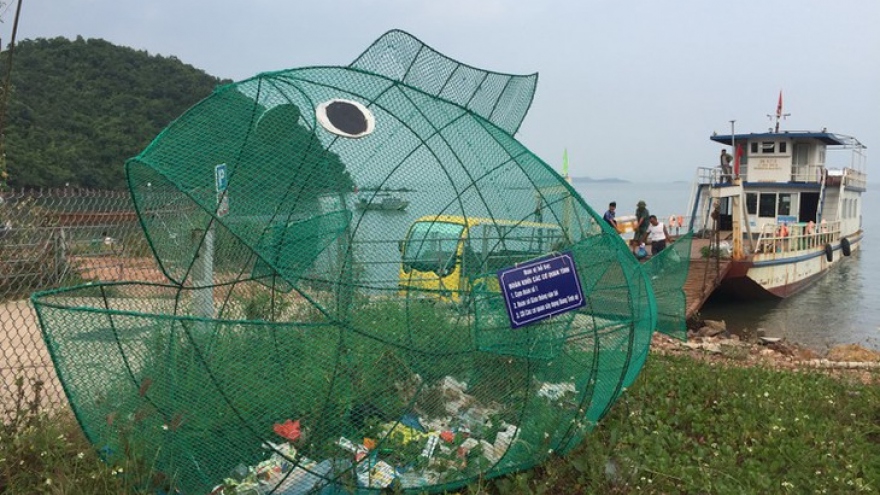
(788,211)
(381,201)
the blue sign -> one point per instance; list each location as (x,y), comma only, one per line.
(220,178)
(540,289)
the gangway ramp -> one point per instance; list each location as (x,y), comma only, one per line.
(704,276)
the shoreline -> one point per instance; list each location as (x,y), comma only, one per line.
(713,344)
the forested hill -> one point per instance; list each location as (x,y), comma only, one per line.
(79,109)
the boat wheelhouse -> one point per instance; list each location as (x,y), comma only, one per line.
(791,210)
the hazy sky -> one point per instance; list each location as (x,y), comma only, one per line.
(633,89)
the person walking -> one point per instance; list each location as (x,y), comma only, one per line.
(609,215)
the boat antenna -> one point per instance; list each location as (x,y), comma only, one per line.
(779,114)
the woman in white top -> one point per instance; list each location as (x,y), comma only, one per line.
(658,236)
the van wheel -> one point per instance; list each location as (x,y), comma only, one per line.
(829,253)
(845,248)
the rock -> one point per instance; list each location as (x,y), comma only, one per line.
(710,347)
(714,348)
(781,348)
(853,353)
(716,325)
(806,354)
(711,329)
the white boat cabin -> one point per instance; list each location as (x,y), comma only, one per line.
(788,177)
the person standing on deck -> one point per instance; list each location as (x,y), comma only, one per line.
(726,168)
(642,215)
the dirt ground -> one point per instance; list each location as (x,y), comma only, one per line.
(111,268)
(23,353)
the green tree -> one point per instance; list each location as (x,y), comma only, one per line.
(79,109)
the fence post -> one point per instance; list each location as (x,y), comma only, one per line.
(60,258)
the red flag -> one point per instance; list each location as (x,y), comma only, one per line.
(779,106)
(736,159)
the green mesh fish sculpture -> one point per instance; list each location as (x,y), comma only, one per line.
(370,284)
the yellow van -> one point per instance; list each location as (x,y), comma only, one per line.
(445,256)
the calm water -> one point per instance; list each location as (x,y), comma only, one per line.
(841,308)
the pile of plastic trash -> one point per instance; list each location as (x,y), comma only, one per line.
(411,452)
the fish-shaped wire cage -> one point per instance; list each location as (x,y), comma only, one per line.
(336,315)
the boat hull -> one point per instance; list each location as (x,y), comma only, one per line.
(780,275)
(386,205)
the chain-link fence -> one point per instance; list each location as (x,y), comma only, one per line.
(51,239)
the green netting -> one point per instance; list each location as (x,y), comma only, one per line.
(333,316)
(669,271)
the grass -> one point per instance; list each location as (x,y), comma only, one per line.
(42,452)
(686,426)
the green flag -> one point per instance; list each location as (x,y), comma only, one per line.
(565,163)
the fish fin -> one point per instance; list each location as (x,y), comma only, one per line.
(668,272)
(503,99)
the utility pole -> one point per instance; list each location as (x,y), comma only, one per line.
(4,99)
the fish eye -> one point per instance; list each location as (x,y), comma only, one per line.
(345,118)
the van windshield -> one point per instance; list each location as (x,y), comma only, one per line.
(432,246)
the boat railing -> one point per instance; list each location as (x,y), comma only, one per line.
(855,178)
(709,175)
(782,238)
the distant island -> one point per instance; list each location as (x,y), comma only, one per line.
(590,179)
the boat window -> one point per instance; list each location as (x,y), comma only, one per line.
(752,203)
(767,205)
(754,147)
(784,204)
(783,147)
(768,147)
(801,154)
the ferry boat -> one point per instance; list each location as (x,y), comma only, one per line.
(790,209)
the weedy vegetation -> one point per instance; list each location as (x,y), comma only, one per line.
(686,426)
